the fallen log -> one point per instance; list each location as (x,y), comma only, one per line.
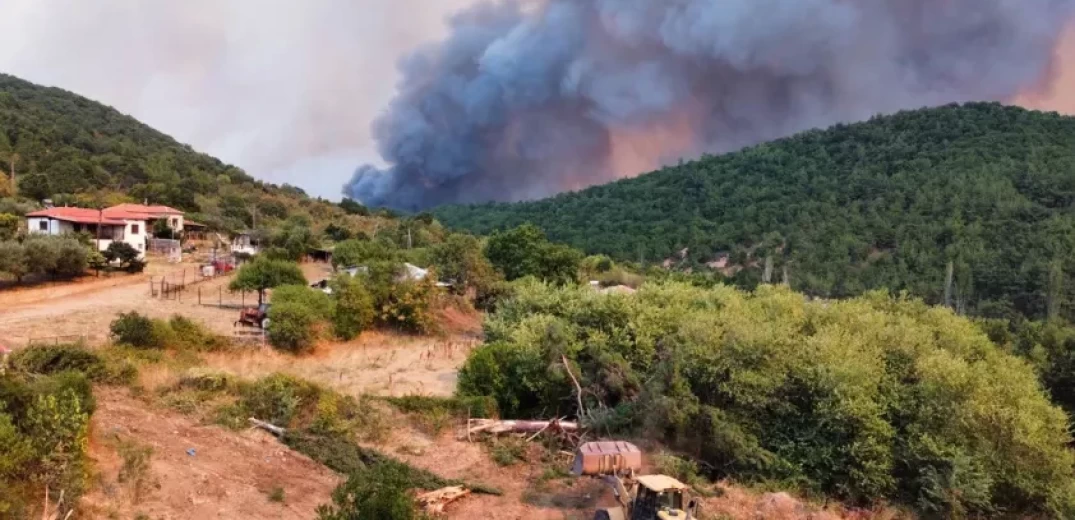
(434,502)
(271,428)
(496,426)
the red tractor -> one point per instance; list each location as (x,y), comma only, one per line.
(254,317)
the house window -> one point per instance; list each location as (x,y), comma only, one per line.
(134,229)
(43,225)
(78,228)
(175,223)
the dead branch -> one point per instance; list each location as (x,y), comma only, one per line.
(434,502)
(271,428)
(578,387)
(539,432)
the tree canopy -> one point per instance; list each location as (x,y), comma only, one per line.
(871,398)
(892,202)
(263,273)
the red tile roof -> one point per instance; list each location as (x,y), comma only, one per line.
(79,215)
(148,210)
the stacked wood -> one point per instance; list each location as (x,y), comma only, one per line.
(434,502)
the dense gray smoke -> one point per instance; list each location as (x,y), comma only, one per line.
(529,98)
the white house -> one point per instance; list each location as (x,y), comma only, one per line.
(105,226)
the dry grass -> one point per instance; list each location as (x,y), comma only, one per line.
(380,363)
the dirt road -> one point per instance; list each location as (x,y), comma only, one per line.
(86,308)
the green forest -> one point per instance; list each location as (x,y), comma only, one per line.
(59,145)
(968,205)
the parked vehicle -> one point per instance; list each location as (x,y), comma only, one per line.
(254,317)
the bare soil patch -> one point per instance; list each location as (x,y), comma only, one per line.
(230,474)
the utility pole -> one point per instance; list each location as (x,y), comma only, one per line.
(948,278)
(408,237)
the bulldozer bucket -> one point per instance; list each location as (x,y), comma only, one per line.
(606,458)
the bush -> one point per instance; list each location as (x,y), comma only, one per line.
(873,398)
(72,258)
(41,253)
(190,334)
(44,424)
(409,305)
(317,302)
(380,492)
(354,308)
(137,331)
(50,359)
(291,327)
(13,261)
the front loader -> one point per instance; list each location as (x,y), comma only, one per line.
(640,497)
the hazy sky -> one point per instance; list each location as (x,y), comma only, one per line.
(285,89)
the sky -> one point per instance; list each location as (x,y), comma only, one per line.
(285,89)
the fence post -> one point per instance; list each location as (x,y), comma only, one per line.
(199,295)
(162,288)
(220,297)
(242,298)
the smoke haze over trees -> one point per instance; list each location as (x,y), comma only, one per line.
(525,99)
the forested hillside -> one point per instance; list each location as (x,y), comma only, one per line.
(892,202)
(77,151)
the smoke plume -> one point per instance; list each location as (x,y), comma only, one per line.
(527,98)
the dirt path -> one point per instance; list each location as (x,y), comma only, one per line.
(86,308)
(230,475)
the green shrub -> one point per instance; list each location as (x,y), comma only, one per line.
(409,306)
(873,398)
(136,330)
(50,359)
(476,407)
(317,302)
(354,307)
(291,327)
(190,334)
(277,398)
(44,422)
(380,492)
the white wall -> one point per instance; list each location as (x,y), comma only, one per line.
(135,234)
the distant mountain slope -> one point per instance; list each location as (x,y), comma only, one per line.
(69,144)
(78,151)
(885,203)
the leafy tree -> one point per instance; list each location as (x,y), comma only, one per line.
(409,305)
(295,238)
(9,226)
(262,274)
(338,233)
(354,307)
(291,327)
(125,254)
(866,399)
(351,253)
(459,259)
(524,251)
(13,260)
(41,254)
(352,207)
(319,303)
(72,258)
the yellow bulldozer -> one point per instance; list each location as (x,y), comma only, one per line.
(640,497)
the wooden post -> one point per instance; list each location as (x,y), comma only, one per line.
(199,295)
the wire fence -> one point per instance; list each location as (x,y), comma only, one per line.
(225,299)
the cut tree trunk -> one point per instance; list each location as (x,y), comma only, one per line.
(434,502)
(496,427)
(271,428)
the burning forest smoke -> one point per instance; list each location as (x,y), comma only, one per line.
(527,98)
